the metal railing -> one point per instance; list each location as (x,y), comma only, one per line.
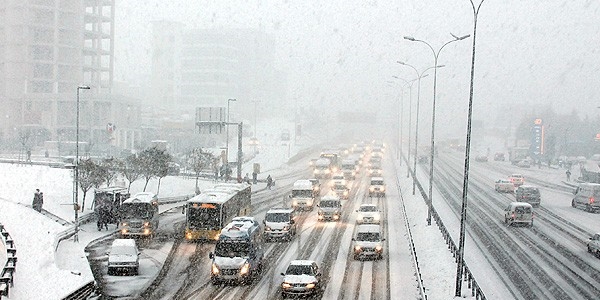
(6,276)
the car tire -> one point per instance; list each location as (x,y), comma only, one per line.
(589,249)
(134,271)
(214,281)
(112,272)
(573,204)
(356,257)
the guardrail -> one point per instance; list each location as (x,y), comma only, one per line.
(86,290)
(6,276)
(467,275)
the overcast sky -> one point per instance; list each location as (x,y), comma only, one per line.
(344,52)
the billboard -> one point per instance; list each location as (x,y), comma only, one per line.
(211,120)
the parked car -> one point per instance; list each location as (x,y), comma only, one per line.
(518,213)
(301,278)
(529,194)
(524,163)
(593,246)
(481,158)
(504,186)
(123,257)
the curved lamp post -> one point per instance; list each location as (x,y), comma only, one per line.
(463,215)
(421,75)
(432,149)
(409,83)
(227,129)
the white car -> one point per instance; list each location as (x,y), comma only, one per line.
(504,186)
(593,245)
(301,278)
(368,214)
(517,179)
(368,242)
(123,257)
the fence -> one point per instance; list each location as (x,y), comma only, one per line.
(467,275)
(6,277)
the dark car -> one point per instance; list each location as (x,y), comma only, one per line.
(529,194)
(499,157)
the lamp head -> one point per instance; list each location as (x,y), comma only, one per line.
(83,87)
(410,38)
(401,62)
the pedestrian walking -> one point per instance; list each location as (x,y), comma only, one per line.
(568,175)
(269,182)
(38,200)
(254,177)
(247,179)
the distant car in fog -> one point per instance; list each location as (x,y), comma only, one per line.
(481,158)
(499,156)
(504,186)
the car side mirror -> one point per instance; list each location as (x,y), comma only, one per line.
(383,239)
(290,196)
(353,239)
(265,222)
(211,255)
(318,205)
(282,274)
(318,273)
(292,221)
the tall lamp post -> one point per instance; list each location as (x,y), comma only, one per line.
(398,128)
(463,214)
(432,148)
(417,118)
(255,141)
(76,179)
(409,83)
(227,129)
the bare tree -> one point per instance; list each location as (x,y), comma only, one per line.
(89,176)
(131,169)
(199,160)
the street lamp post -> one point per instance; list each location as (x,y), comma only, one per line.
(227,130)
(432,147)
(419,76)
(76,179)
(254,142)
(409,83)
(463,214)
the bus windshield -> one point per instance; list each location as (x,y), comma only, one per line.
(206,216)
(232,249)
(136,211)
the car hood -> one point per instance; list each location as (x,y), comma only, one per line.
(229,262)
(299,279)
(122,258)
(330,209)
(368,214)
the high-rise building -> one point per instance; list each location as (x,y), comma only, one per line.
(47,49)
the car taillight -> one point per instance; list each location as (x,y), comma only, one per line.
(513,215)
(591,200)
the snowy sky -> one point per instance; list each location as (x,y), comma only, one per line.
(527,52)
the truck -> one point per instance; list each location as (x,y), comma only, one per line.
(322,168)
(516,154)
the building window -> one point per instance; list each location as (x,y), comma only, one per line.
(39,87)
(41,52)
(40,35)
(45,71)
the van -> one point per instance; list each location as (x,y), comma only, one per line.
(587,197)
(368,242)
(377,187)
(238,255)
(303,195)
(280,223)
(330,208)
(349,169)
(518,213)
(529,194)
(123,257)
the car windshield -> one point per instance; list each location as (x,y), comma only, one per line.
(299,270)
(339,187)
(367,236)
(302,193)
(368,208)
(277,217)
(329,203)
(232,249)
(522,209)
(376,182)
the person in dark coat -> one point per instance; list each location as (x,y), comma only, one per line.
(269,182)
(38,200)
(254,177)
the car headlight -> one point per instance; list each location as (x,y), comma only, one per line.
(295,203)
(309,203)
(383,188)
(376,217)
(378,248)
(357,248)
(124,224)
(286,227)
(371,189)
(215,269)
(147,224)
(245,269)
(267,228)
(336,216)
(345,193)
(310,285)
(360,216)
(286,285)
